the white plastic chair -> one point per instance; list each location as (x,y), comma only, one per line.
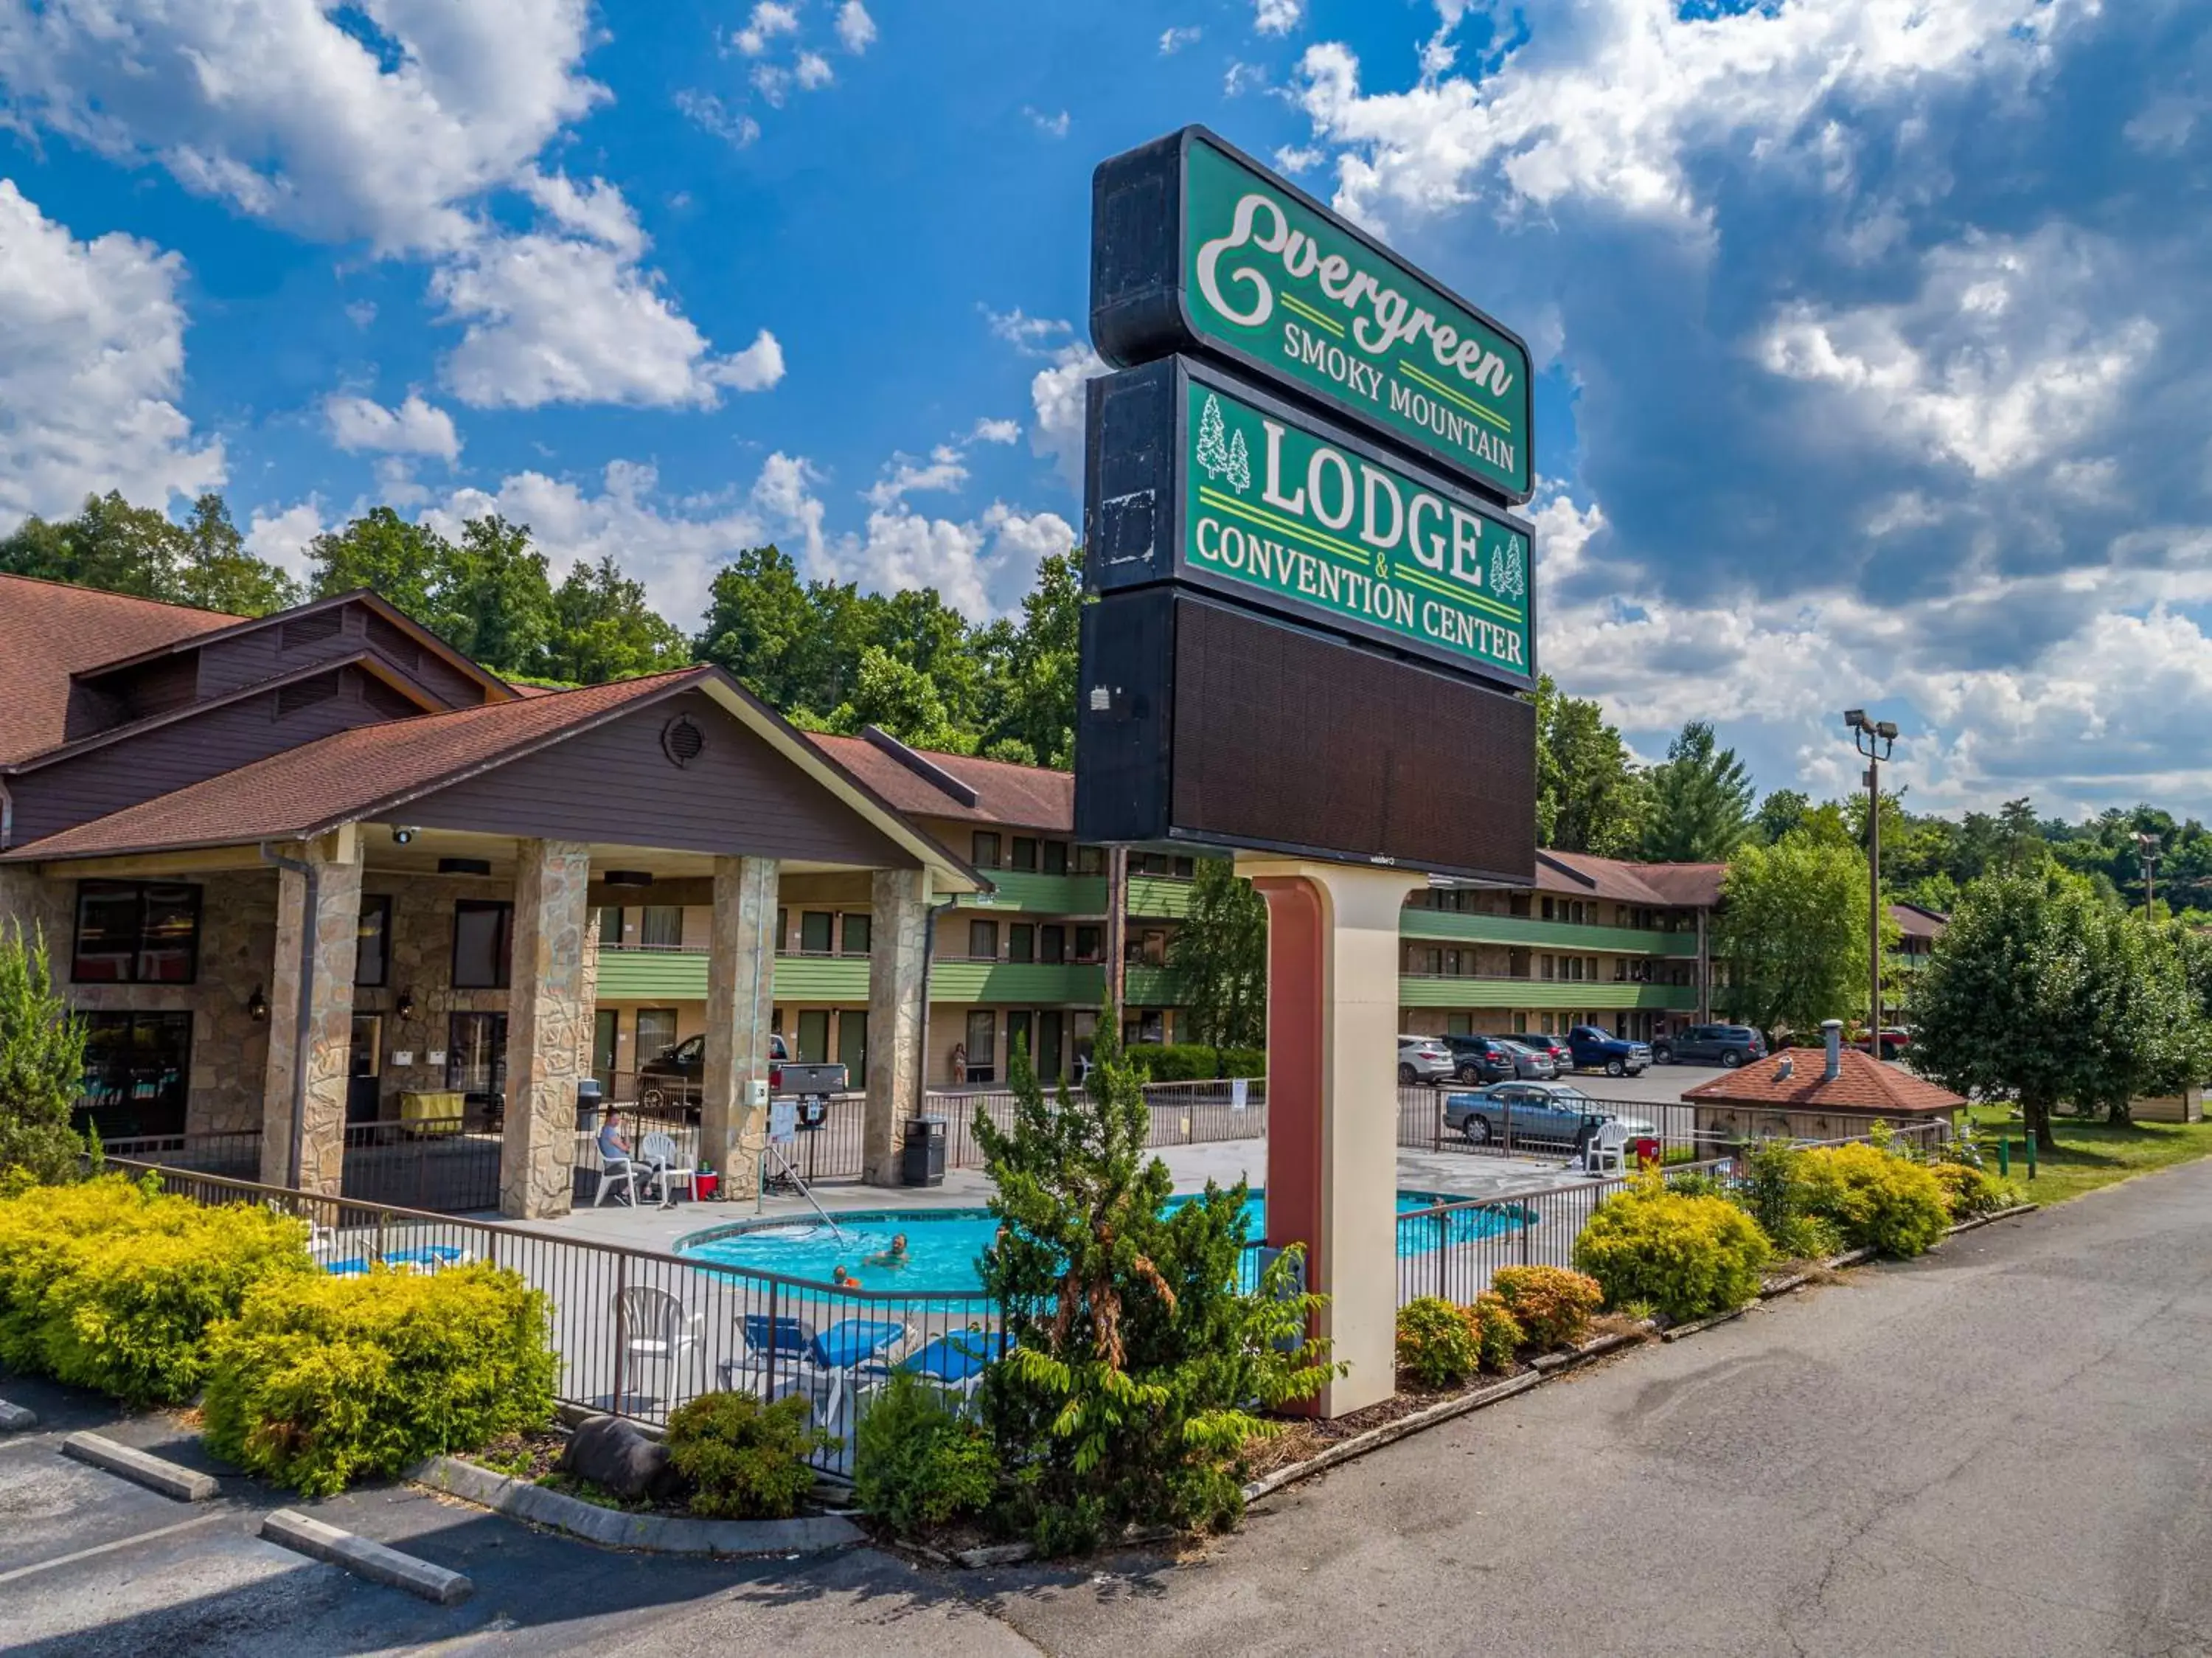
(657,1151)
(621,1176)
(1606,1153)
(655,1328)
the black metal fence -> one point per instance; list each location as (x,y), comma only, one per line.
(1425,1124)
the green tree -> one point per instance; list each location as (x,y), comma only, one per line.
(603,629)
(1036,682)
(41,1062)
(1219,957)
(1794,930)
(216,572)
(905,702)
(794,644)
(1140,1369)
(493,593)
(2140,1010)
(119,548)
(1700,801)
(1783,810)
(405,564)
(1590,797)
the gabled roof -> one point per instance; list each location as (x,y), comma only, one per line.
(1862,1086)
(1692,885)
(1917,921)
(50,630)
(1021,796)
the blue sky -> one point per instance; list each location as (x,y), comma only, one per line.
(1875,354)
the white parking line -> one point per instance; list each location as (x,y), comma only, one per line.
(20,1572)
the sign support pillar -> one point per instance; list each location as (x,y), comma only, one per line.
(1332,950)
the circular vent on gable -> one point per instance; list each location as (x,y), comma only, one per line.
(682,741)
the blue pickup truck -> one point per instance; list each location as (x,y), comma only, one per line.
(1616,1056)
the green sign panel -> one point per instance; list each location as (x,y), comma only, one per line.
(1278,508)
(1198,248)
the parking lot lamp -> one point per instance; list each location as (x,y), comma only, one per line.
(1874,739)
(2147,848)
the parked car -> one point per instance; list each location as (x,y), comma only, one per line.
(1728,1045)
(1425,1059)
(1550,1112)
(1616,1056)
(1481,1059)
(1529,1060)
(1562,1055)
(1894,1041)
(674,1075)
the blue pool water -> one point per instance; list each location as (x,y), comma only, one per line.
(943,1244)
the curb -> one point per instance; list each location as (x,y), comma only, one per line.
(1675,1332)
(366,1559)
(15,1419)
(1969,1224)
(1375,1438)
(614,1528)
(169,1479)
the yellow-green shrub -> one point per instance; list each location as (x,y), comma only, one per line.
(746,1461)
(321,1380)
(1688,1257)
(1968,1191)
(113,1285)
(1876,1201)
(1552,1305)
(1497,1333)
(1438,1344)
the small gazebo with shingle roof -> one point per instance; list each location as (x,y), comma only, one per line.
(1815,1093)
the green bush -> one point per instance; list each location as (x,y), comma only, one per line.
(114,1286)
(1497,1333)
(41,1062)
(918,1463)
(746,1461)
(1774,1192)
(1194,1062)
(1968,1191)
(1875,1200)
(1688,1257)
(1552,1305)
(1438,1345)
(321,1380)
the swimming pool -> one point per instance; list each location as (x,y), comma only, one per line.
(943,1244)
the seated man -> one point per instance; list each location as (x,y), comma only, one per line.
(614,1151)
(894,1257)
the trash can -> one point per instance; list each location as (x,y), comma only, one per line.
(922,1161)
(588,1103)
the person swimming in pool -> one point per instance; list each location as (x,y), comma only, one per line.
(894,1256)
(844,1279)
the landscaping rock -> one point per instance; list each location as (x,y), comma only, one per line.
(613,1455)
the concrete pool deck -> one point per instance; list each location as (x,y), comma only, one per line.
(1226,1162)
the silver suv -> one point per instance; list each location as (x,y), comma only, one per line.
(1425,1059)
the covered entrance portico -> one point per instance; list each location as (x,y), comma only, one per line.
(397,931)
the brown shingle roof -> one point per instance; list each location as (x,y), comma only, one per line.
(50,630)
(1025,796)
(1863,1087)
(1694,886)
(1914,922)
(345,776)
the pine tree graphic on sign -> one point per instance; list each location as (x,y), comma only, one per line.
(1509,578)
(1240,463)
(1213,446)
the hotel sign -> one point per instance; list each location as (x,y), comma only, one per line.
(1197,478)
(1196,247)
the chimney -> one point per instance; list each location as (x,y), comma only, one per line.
(1833,1030)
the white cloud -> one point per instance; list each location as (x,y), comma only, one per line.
(979,565)
(710,114)
(92,358)
(415,427)
(989,430)
(1175,39)
(769,18)
(1277,16)
(856,30)
(1242,78)
(813,71)
(282,537)
(1053,126)
(1031,335)
(773,82)
(945,469)
(1056,393)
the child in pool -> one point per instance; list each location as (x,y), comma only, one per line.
(844,1279)
(894,1256)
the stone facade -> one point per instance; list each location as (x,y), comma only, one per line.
(548,1025)
(740,991)
(421,969)
(319,1086)
(900,901)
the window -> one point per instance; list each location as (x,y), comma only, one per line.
(137,1072)
(611,927)
(1090,860)
(1520,906)
(1020,1034)
(1025,853)
(1021,941)
(1055,857)
(656,1032)
(1520,1024)
(782,930)
(1549,967)
(982,1047)
(1150,863)
(1184,869)
(986,849)
(815,931)
(1149,1025)
(1548,1031)
(1090,943)
(372,957)
(983,940)
(1549,907)
(852,1045)
(661,927)
(483,940)
(854,932)
(1052,942)
(476,1053)
(133,932)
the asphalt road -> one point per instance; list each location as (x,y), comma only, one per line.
(1995,1450)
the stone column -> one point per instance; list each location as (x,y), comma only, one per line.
(740,997)
(588,994)
(1333,954)
(897,926)
(321,1086)
(547,1026)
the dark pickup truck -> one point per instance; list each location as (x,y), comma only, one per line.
(1616,1056)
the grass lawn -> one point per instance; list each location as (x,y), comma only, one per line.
(2090,1154)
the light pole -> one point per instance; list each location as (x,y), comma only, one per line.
(2147,848)
(1875,740)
